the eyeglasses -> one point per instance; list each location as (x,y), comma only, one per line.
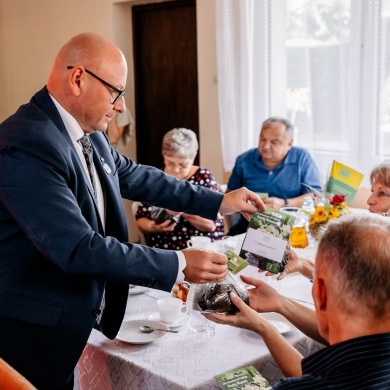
(181,166)
(116,90)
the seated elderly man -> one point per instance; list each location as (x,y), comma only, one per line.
(351,293)
(276,168)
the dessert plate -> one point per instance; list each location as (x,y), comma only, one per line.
(182,320)
(133,289)
(130,331)
(281,324)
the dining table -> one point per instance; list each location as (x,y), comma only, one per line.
(188,360)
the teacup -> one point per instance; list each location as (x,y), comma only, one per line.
(170,309)
(199,242)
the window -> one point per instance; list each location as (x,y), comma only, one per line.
(324,64)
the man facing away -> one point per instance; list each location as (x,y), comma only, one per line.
(63,230)
(351,293)
(276,168)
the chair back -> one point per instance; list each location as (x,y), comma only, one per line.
(360,200)
(10,379)
(142,237)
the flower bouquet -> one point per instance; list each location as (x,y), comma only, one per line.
(332,208)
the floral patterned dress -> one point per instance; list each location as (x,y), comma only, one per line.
(177,239)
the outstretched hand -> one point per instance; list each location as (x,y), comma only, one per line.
(297,263)
(242,200)
(246,317)
(262,299)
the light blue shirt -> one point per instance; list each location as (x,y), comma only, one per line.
(284,181)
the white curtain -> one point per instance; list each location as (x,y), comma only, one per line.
(243,82)
(324,64)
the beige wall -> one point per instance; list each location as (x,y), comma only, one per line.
(32,31)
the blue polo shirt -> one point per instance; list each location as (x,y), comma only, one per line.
(284,181)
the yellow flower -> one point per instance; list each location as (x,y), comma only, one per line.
(335,208)
(319,215)
(333,212)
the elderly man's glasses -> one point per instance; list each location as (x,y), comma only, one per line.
(115,90)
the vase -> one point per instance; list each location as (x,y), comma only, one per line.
(316,228)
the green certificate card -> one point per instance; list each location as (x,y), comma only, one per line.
(266,240)
(241,379)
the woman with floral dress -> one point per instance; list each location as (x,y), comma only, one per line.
(167,229)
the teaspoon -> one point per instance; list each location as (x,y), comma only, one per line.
(148,329)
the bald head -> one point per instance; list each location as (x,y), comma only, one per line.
(90,50)
(80,93)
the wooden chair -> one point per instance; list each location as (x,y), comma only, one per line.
(10,379)
(142,237)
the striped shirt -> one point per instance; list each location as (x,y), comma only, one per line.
(359,363)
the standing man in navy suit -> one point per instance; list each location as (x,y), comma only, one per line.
(63,232)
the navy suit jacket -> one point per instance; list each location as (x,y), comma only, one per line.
(55,258)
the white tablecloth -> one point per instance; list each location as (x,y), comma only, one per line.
(184,360)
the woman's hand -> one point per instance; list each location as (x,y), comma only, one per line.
(297,263)
(206,225)
(146,225)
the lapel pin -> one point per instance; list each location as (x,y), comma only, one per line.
(105,166)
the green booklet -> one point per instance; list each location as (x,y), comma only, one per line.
(266,242)
(245,378)
(235,262)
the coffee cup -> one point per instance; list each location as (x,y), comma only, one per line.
(199,242)
(170,308)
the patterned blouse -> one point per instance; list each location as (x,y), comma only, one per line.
(177,239)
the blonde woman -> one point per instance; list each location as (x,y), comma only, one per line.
(379,200)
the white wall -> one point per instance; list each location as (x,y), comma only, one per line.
(32,31)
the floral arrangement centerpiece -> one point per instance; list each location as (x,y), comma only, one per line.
(332,208)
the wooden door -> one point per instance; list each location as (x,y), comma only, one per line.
(166,79)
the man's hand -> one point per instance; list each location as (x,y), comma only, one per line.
(204,266)
(262,298)
(246,317)
(285,355)
(242,200)
(275,203)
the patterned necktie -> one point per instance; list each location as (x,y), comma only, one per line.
(85,143)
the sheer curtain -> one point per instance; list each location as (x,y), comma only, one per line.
(324,64)
(243,73)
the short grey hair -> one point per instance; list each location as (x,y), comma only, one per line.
(269,124)
(356,248)
(180,143)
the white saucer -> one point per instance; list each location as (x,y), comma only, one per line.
(183,319)
(133,289)
(130,332)
(281,324)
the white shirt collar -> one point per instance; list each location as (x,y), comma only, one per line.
(72,126)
